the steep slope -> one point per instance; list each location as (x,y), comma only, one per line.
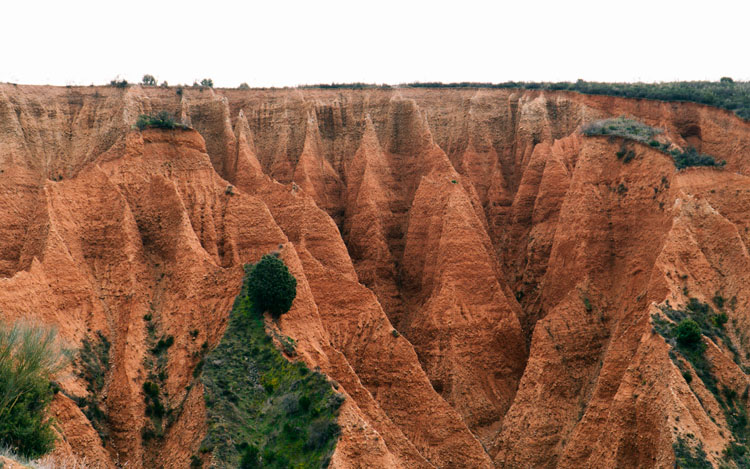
(485,285)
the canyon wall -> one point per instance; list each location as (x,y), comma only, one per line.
(479,279)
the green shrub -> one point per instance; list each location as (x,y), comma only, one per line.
(719,300)
(271,287)
(161,120)
(119,83)
(163,344)
(29,357)
(249,458)
(320,432)
(207,83)
(720,319)
(151,389)
(688,333)
(691,157)
(243,86)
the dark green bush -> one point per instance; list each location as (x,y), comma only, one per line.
(691,157)
(271,287)
(249,458)
(162,120)
(119,83)
(163,344)
(29,357)
(207,83)
(720,319)
(320,432)
(243,86)
(719,300)
(688,333)
(151,389)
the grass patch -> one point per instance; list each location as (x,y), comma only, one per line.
(264,411)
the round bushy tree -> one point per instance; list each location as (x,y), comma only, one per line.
(688,333)
(271,287)
(148,80)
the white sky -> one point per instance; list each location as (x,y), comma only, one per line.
(278,43)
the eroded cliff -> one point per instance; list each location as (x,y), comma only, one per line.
(479,278)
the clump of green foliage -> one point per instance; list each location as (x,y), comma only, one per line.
(92,364)
(161,120)
(29,358)
(688,333)
(264,411)
(692,157)
(270,286)
(243,86)
(633,130)
(119,83)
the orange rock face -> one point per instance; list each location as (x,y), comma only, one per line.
(479,278)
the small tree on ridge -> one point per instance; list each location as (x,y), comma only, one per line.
(271,287)
(148,80)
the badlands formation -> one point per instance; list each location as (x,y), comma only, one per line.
(483,283)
